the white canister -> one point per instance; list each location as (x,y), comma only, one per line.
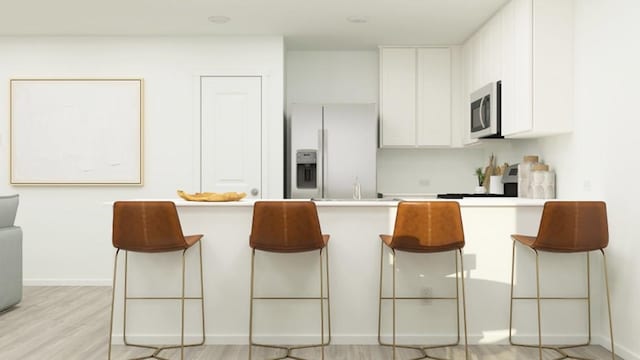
(543,182)
(495,185)
(525,168)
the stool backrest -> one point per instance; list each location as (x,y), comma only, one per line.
(147,226)
(573,226)
(285,226)
(428,226)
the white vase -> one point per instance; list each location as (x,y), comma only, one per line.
(480,190)
(495,185)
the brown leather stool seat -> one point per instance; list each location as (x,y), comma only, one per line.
(151,227)
(289,227)
(565,227)
(425,227)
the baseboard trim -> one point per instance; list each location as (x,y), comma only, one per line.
(363,339)
(67,282)
(621,351)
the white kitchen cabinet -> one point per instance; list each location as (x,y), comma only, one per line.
(458,89)
(477,58)
(537,81)
(415,97)
(462,71)
(486,53)
(493,50)
(481,63)
(528,45)
(397,96)
(433,120)
(509,98)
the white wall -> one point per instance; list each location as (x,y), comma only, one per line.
(332,76)
(67,235)
(599,160)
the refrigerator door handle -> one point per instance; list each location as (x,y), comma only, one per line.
(325,164)
(320,174)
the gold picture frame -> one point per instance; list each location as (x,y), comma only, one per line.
(86,131)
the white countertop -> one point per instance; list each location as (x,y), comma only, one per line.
(466,202)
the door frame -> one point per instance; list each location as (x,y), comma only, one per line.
(197,127)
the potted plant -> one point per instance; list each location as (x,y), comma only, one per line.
(480,175)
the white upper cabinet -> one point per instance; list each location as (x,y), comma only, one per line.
(397,96)
(433,121)
(493,49)
(537,81)
(486,53)
(415,97)
(462,122)
(528,45)
(459,96)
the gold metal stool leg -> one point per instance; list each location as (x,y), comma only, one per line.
(606,282)
(513,262)
(182,311)
(423,349)
(288,349)
(113,299)
(558,349)
(253,258)
(321,308)
(464,307)
(182,298)
(380,296)
(395,262)
(326,254)
(538,303)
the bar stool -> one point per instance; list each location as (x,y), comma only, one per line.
(151,227)
(566,227)
(289,227)
(425,227)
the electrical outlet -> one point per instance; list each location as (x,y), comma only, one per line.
(427,292)
(424,182)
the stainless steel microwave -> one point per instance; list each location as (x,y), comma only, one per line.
(485,111)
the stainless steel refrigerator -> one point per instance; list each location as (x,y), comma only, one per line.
(332,152)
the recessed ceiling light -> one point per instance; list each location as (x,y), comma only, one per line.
(357,19)
(217,19)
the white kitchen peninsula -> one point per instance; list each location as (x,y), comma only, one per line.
(354,251)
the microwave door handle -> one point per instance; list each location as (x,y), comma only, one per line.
(484,123)
(481,112)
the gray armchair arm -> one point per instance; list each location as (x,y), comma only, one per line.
(10,266)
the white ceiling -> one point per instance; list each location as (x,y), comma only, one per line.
(305,24)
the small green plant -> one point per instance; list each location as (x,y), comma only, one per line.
(480,176)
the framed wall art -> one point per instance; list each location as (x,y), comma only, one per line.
(76,131)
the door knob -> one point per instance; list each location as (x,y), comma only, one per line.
(254,191)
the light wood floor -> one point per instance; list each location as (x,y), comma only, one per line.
(69,323)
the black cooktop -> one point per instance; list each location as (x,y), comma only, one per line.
(460,196)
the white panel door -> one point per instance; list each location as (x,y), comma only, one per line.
(231,128)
